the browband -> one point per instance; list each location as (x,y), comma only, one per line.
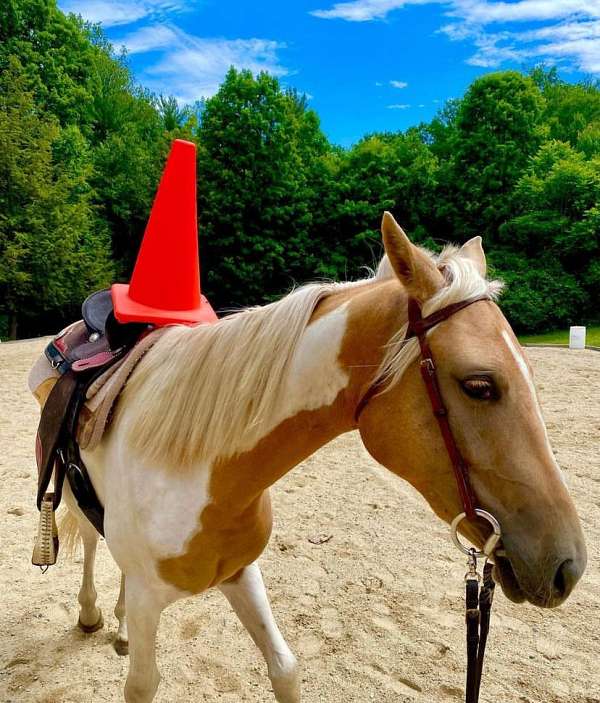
(418,326)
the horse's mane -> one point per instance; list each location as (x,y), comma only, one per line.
(210,391)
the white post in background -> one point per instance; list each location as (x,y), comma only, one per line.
(577,338)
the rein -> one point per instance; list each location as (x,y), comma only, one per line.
(478,600)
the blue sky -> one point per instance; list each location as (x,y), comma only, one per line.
(367,65)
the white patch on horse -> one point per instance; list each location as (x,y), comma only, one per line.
(169,504)
(154,508)
(315,376)
(524,369)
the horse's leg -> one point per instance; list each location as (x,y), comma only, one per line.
(90,617)
(143,614)
(248,598)
(121,642)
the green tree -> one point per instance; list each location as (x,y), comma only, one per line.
(569,108)
(389,171)
(498,128)
(558,199)
(131,131)
(254,142)
(540,295)
(55,53)
(52,247)
(82,147)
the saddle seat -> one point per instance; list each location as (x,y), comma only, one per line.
(95,311)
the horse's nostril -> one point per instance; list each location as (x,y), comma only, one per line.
(565,578)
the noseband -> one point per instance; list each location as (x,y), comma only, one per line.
(478,602)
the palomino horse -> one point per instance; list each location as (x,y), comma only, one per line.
(214,415)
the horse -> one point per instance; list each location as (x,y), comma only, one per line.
(215,414)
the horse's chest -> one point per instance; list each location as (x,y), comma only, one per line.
(223,544)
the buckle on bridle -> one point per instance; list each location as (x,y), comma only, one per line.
(491,541)
(428,365)
(472,574)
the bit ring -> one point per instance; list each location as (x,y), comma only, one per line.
(491,542)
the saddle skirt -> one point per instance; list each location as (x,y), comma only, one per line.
(102,394)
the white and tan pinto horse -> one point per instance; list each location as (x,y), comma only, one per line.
(214,415)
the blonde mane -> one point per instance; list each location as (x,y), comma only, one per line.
(213,391)
(208,391)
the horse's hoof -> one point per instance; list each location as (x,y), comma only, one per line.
(88,629)
(121,647)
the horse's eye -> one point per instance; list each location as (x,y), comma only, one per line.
(480,388)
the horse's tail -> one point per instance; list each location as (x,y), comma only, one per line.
(68,532)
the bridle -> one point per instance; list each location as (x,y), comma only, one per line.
(478,601)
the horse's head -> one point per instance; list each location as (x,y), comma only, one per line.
(487,386)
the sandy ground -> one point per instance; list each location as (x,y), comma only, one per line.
(373,614)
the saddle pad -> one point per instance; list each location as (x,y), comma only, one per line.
(101,396)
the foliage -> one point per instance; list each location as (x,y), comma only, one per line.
(53,248)
(82,147)
(540,294)
(256,144)
(497,130)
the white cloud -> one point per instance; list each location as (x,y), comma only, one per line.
(401,106)
(190,68)
(185,66)
(112,13)
(483,13)
(361,10)
(398,84)
(150,38)
(572,44)
(473,11)
(570,34)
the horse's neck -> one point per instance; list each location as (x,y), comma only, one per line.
(338,357)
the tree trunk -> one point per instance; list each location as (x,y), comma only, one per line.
(12,325)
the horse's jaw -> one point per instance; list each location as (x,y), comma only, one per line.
(505,575)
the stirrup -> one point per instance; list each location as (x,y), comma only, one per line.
(45,548)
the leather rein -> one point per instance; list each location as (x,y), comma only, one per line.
(478,600)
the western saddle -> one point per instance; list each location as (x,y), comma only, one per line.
(80,353)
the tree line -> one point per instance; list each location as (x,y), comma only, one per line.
(82,147)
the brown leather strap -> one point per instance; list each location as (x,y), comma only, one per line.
(478,609)
(418,326)
(52,421)
(472,619)
(478,603)
(486,599)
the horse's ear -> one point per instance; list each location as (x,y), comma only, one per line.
(412,265)
(473,250)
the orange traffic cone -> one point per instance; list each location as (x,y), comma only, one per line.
(165,286)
